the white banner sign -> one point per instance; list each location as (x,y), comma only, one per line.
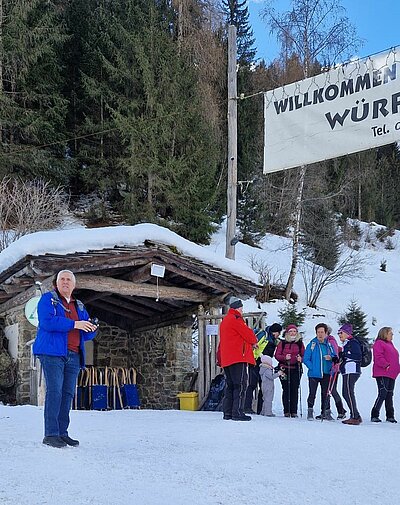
(351,108)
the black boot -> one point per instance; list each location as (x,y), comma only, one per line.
(54,442)
(70,441)
(243,417)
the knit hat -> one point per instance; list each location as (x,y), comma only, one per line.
(266,359)
(275,328)
(235,303)
(346,328)
(291,327)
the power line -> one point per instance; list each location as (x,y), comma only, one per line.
(64,141)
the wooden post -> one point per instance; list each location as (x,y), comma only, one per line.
(232,144)
(201,329)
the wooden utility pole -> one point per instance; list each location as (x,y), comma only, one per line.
(232,144)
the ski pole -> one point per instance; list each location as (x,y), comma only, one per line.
(332,379)
(301,404)
(289,390)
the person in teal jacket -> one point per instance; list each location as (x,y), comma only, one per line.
(318,358)
(64,326)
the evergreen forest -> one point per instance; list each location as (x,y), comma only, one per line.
(123,103)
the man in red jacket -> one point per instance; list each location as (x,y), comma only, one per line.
(236,350)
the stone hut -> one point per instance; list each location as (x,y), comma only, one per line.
(144,283)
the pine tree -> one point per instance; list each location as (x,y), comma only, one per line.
(238,15)
(358,319)
(289,315)
(96,87)
(31,101)
(320,238)
(155,152)
(171,163)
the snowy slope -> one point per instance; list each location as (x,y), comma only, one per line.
(176,458)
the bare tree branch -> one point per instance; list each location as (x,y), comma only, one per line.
(29,206)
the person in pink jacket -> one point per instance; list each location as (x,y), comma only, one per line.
(385,369)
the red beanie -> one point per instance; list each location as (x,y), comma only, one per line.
(291,327)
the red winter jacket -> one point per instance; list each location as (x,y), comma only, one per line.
(236,340)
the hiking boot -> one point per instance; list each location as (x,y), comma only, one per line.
(319,417)
(293,415)
(391,420)
(375,420)
(342,415)
(54,442)
(352,421)
(227,417)
(310,414)
(242,418)
(328,415)
(70,441)
(287,414)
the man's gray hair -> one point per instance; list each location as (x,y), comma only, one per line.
(68,272)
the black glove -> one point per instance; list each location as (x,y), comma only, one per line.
(335,359)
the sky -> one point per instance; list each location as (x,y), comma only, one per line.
(376,22)
(172,457)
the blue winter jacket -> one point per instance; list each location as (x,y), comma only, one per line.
(313,358)
(52,333)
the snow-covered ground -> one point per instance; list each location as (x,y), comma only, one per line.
(176,457)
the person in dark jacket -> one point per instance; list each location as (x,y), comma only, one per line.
(341,411)
(236,351)
(289,354)
(318,358)
(350,368)
(64,326)
(385,369)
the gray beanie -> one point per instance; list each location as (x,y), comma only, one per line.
(235,303)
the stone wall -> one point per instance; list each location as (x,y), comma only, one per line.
(111,347)
(162,358)
(26,332)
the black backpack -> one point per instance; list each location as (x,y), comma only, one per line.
(366,353)
(216,394)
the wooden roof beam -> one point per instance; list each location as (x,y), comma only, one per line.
(23,297)
(100,283)
(128,306)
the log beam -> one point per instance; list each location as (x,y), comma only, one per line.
(126,288)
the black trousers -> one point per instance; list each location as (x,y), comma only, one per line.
(336,396)
(290,390)
(349,381)
(312,392)
(235,389)
(385,394)
(254,379)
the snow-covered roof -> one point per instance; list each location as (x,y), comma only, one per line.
(83,240)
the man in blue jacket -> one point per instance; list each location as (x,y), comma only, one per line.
(64,326)
(318,358)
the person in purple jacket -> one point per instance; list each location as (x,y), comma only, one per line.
(385,369)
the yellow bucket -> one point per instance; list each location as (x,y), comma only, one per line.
(189,401)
